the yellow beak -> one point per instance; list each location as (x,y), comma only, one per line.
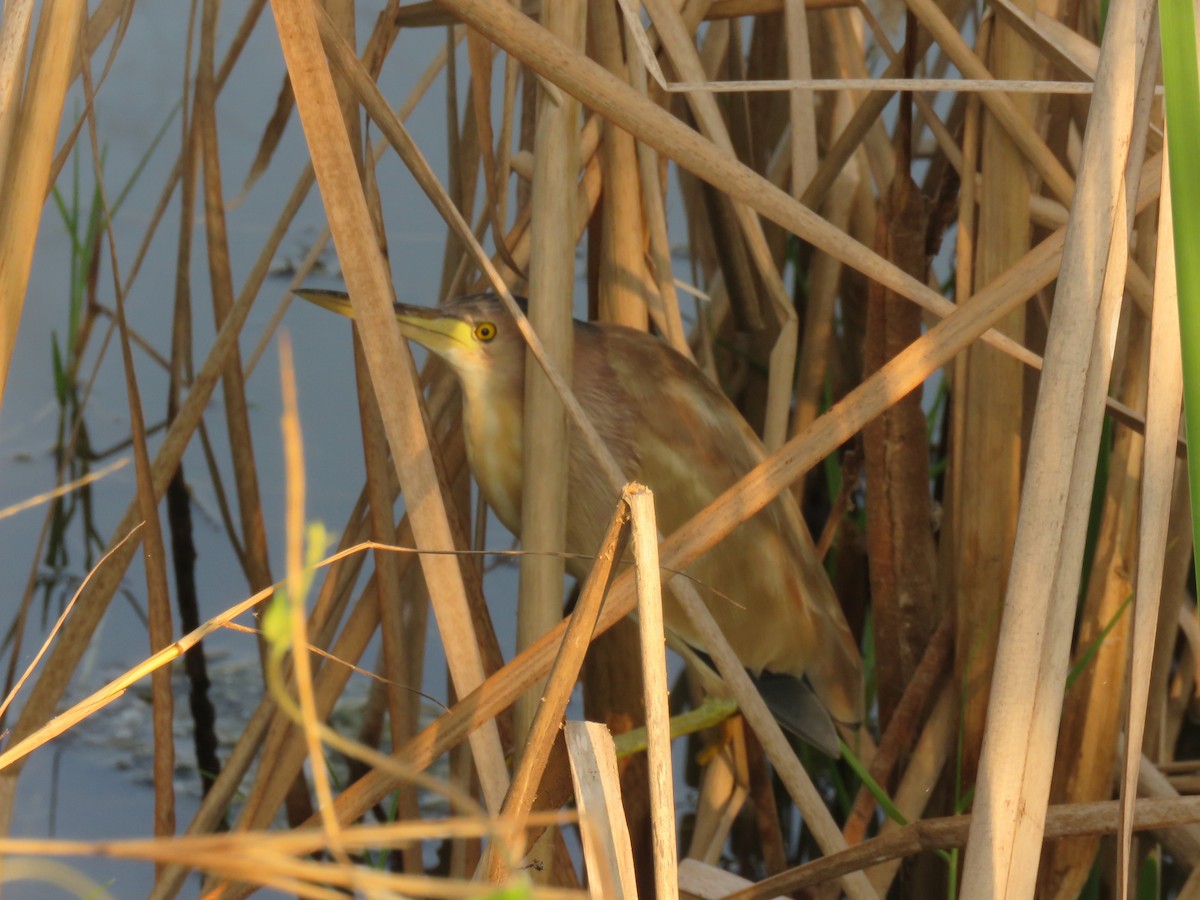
(428,327)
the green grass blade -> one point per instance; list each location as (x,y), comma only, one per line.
(1182,95)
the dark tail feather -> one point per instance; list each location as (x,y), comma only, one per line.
(798,711)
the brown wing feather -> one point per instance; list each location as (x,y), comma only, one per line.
(692,445)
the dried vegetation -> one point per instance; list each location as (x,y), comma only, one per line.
(990,537)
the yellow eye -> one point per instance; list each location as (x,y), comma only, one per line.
(485,331)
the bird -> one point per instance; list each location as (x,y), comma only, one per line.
(669,427)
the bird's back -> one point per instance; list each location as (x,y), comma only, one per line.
(672,429)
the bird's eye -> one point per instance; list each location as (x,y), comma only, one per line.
(485,331)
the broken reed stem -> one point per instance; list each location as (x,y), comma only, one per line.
(561,682)
(654,671)
(605,834)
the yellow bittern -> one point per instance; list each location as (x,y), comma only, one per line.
(670,428)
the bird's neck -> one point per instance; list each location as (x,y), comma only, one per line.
(492,429)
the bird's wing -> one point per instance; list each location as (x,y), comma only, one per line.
(765,583)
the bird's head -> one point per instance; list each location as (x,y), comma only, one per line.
(475,335)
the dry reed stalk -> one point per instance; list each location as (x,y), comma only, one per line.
(430,14)
(624,287)
(614,695)
(1191,887)
(561,681)
(1177,766)
(986,457)
(701,881)
(1164,713)
(250,744)
(262,267)
(480,54)
(463,146)
(1005,110)
(723,794)
(1161,815)
(65,488)
(92,32)
(388,358)
(277,739)
(280,744)
(519,237)
(902,729)
(254,532)
(512,72)
(1183,839)
(502,688)
(864,120)
(178,503)
(401,705)
(268,143)
(1163,406)
(1071,54)
(916,789)
(616,101)
(669,322)
(99,24)
(17,750)
(77,631)
(14,41)
(1026,702)
(20,681)
(826,834)
(748,496)
(275,859)
(964,281)
(29,128)
(899,530)
(674,34)
(875,152)
(154,551)
(1093,710)
(544,448)
(296,595)
(824,282)
(801,111)
(761,788)
(320,243)
(822,429)
(606,850)
(190,138)
(399,645)
(621,290)
(644,543)
(944,139)
(373,101)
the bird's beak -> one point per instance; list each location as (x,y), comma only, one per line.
(334,301)
(432,328)
(427,326)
